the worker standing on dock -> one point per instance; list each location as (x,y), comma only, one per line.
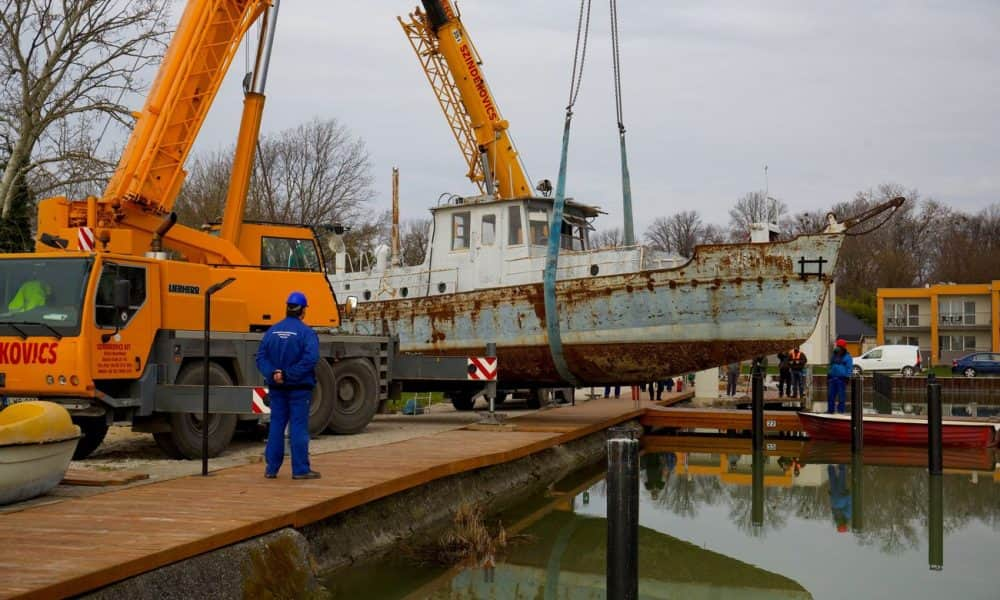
(798,361)
(287,359)
(841,367)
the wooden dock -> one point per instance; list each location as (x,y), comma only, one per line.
(82,544)
(719,419)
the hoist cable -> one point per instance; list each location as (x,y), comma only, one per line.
(627,221)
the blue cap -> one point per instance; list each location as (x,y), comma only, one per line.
(298,299)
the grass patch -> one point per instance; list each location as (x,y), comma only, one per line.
(469,540)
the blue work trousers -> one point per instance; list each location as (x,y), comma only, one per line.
(291,408)
(798,384)
(836,392)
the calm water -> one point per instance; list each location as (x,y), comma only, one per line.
(716,526)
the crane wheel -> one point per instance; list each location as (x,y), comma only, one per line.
(322,404)
(354,395)
(93,429)
(463,400)
(184,438)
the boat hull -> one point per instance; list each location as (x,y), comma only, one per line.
(729,302)
(29,470)
(898,431)
(824,452)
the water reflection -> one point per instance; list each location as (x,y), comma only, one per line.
(719,522)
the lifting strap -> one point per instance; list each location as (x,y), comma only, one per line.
(626,180)
(558,204)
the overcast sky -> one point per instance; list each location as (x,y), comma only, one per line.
(834,97)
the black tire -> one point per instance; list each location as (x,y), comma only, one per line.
(908,371)
(184,438)
(463,400)
(969,372)
(93,429)
(536,398)
(355,396)
(321,406)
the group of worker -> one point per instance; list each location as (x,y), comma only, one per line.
(655,389)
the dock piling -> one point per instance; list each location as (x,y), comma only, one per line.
(857,414)
(757,407)
(934,456)
(623,514)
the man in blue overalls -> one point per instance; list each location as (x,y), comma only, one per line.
(287,359)
(841,369)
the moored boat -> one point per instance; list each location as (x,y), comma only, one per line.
(954,457)
(901,430)
(37,440)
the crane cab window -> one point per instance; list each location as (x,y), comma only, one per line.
(105,302)
(488,233)
(460,230)
(289,254)
(515,232)
(538,223)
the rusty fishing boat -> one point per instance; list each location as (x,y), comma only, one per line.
(625,314)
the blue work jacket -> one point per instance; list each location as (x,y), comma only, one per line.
(292,347)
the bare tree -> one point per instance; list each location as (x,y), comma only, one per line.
(754,207)
(608,238)
(66,66)
(203,195)
(713,234)
(413,240)
(803,223)
(968,250)
(317,172)
(678,233)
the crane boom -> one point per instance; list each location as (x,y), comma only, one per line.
(150,172)
(454,70)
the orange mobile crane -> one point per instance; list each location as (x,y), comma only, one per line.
(106,317)
(455,71)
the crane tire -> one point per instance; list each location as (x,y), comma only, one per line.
(353,395)
(322,404)
(183,440)
(93,429)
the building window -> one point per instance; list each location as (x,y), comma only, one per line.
(460,231)
(902,315)
(958,312)
(902,340)
(489,230)
(970,313)
(515,232)
(957,343)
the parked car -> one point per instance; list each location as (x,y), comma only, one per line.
(977,363)
(898,358)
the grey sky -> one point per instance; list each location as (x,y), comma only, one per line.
(834,96)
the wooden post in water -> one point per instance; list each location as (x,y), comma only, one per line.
(623,514)
(757,407)
(934,457)
(935,523)
(857,493)
(857,414)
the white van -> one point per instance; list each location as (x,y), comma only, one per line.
(901,359)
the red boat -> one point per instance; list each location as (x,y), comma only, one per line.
(971,459)
(901,430)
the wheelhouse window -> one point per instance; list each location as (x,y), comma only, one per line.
(515,231)
(538,223)
(105,302)
(42,296)
(488,231)
(460,231)
(289,254)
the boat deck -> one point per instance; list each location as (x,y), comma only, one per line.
(82,544)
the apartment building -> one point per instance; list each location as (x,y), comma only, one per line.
(946,320)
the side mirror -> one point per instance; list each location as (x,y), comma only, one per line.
(350,306)
(122,296)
